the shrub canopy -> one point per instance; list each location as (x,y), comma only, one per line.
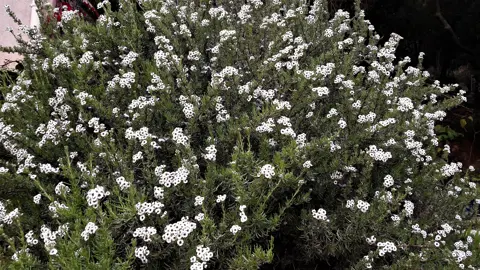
(228,135)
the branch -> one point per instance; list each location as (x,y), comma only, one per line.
(7,62)
(449,28)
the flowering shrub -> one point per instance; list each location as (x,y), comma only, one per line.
(192,135)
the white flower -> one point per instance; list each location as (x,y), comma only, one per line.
(145,233)
(363,206)
(235,228)
(199,200)
(307,164)
(90,229)
(371,240)
(267,171)
(320,214)
(221,198)
(36,198)
(177,231)
(199,217)
(122,183)
(388,181)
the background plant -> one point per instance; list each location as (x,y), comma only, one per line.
(234,135)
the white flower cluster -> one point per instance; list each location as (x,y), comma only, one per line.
(404,104)
(90,229)
(53,129)
(128,59)
(264,94)
(178,231)
(342,124)
(86,58)
(95,195)
(48,236)
(217,12)
(82,96)
(451,169)
(267,171)
(332,113)
(408,208)
(386,247)
(275,18)
(204,255)
(266,126)
(321,91)
(18,253)
(188,108)
(145,233)
(307,164)
(226,35)
(172,178)
(336,175)
(61,60)
(185,31)
(179,137)
(30,239)
(194,55)
(162,58)
(158,193)
(199,217)
(68,15)
(96,125)
(142,253)
(362,205)
(243,216)
(388,181)
(221,198)
(378,154)
(386,196)
(142,102)
(222,115)
(198,200)
(211,155)
(417,230)
(235,228)
(334,147)
(370,117)
(47,168)
(218,79)
(125,81)
(395,219)
(124,184)
(61,189)
(300,140)
(150,14)
(348,41)
(371,240)
(36,198)
(320,214)
(325,70)
(7,218)
(142,135)
(244,13)
(56,205)
(84,169)
(158,84)
(281,105)
(137,156)
(147,208)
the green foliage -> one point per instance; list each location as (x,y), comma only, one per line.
(446,134)
(183,135)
